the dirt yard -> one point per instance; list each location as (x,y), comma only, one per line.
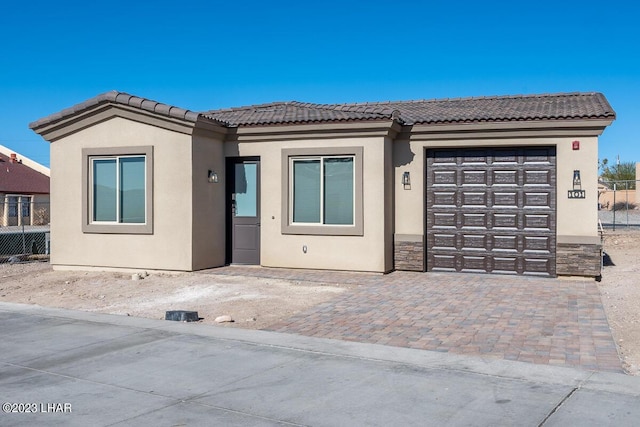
(256,303)
(620,290)
(252,303)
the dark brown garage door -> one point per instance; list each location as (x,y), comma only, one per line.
(492,210)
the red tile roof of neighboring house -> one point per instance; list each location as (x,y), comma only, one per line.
(18,178)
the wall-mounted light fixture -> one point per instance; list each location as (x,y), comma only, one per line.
(212,176)
(406,178)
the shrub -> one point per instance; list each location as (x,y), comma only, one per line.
(623,206)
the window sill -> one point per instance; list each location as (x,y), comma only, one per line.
(117,229)
(323,230)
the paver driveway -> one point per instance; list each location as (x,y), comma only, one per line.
(538,320)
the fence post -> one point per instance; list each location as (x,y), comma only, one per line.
(626,198)
(24,243)
(614,205)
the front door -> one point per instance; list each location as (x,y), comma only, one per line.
(244,210)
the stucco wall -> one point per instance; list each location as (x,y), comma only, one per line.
(360,253)
(170,245)
(208,212)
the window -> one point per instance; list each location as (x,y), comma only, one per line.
(323,191)
(26,206)
(19,203)
(13,206)
(118,190)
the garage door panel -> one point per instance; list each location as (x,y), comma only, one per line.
(491,210)
(445,177)
(538,155)
(474,220)
(505,220)
(537,177)
(442,220)
(474,177)
(504,243)
(474,242)
(442,262)
(444,199)
(474,198)
(444,241)
(504,156)
(505,177)
(505,199)
(538,221)
(537,266)
(474,157)
(537,199)
(505,265)
(474,264)
(540,244)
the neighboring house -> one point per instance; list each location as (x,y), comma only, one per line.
(24,190)
(498,184)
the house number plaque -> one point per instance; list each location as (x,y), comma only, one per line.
(577,192)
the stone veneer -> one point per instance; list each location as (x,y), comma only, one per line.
(578,259)
(408,253)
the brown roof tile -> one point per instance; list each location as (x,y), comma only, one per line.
(460,110)
(293,112)
(18,178)
(561,106)
(115,97)
(503,108)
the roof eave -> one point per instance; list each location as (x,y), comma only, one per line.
(514,128)
(329,129)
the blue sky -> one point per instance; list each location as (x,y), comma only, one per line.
(203,55)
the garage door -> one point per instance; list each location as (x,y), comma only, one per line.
(492,210)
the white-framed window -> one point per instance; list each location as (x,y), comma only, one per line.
(19,204)
(118,189)
(322,190)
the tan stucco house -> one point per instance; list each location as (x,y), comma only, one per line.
(497,184)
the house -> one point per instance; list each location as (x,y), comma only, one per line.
(24,190)
(495,184)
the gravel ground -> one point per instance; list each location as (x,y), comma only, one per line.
(622,218)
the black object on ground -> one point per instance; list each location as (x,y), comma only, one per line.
(606,260)
(182,316)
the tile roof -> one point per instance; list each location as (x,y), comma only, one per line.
(18,178)
(298,112)
(115,97)
(560,106)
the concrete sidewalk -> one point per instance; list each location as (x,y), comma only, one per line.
(116,370)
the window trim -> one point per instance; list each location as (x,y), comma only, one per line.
(288,226)
(88,225)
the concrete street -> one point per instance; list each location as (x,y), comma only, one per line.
(83,369)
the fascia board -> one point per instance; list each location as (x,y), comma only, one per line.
(510,129)
(316,130)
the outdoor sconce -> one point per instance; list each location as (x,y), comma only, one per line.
(406,179)
(212,176)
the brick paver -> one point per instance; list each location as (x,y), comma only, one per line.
(536,320)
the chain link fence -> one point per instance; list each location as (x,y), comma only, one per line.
(618,204)
(24,231)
